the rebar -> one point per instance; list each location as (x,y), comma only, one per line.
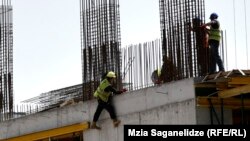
(100,42)
(181,53)
(54,98)
(139,61)
(6,60)
(184,51)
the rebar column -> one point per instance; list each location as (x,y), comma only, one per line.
(6,60)
(183,41)
(100,42)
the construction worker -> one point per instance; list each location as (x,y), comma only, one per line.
(214,42)
(169,71)
(156,76)
(103,95)
(201,40)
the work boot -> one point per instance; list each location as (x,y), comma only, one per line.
(116,122)
(94,126)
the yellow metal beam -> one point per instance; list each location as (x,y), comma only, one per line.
(234,91)
(205,85)
(227,103)
(52,133)
(239,80)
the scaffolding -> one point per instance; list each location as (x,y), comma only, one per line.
(6,60)
(225,90)
(100,42)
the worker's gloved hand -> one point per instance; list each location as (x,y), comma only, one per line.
(124,90)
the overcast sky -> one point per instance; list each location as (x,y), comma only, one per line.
(47,49)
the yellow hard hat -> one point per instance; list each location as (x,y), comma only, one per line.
(111,74)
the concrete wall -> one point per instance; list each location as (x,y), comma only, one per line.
(172,103)
(175,113)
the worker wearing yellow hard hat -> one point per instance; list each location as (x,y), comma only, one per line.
(103,95)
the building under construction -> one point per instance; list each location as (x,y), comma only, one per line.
(6,60)
(188,98)
(181,52)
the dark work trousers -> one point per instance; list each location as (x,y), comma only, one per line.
(104,105)
(215,57)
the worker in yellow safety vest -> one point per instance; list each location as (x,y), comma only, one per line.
(103,94)
(156,76)
(214,42)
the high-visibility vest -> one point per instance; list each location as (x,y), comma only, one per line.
(159,72)
(100,93)
(214,34)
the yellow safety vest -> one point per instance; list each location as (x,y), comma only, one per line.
(159,72)
(100,93)
(214,34)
